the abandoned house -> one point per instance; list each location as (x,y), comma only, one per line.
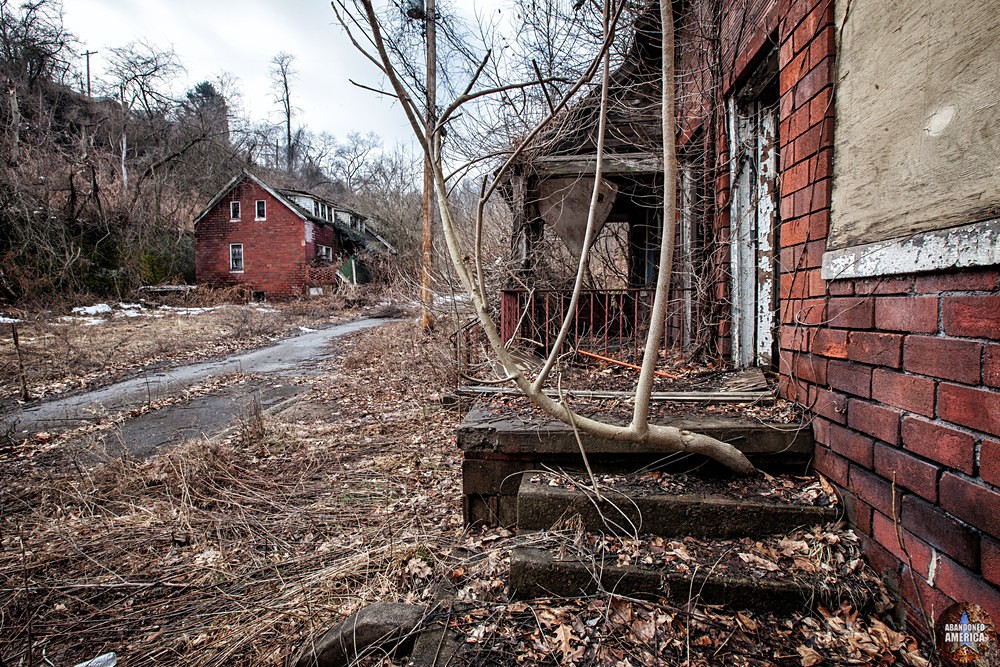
(280,243)
(838,199)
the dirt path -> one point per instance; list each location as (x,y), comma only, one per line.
(270,369)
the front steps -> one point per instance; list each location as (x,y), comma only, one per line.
(766,543)
(499,445)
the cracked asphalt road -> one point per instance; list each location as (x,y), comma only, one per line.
(204,415)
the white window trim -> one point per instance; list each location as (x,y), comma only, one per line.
(256,207)
(239,211)
(243,262)
(972,245)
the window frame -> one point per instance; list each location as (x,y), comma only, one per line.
(232,264)
(258,205)
(234,205)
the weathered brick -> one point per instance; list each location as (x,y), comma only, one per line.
(960,583)
(875,491)
(991,366)
(964,281)
(909,392)
(885,285)
(850,378)
(830,343)
(841,287)
(900,543)
(819,224)
(971,502)
(991,560)
(832,465)
(977,409)
(940,443)
(851,312)
(989,462)
(851,445)
(928,601)
(875,420)
(810,368)
(829,404)
(797,177)
(804,312)
(945,358)
(915,314)
(880,349)
(795,338)
(907,471)
(818,78)
(794,232)
(971,316)
(932,525)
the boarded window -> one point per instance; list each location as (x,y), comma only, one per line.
(261,209)
(918,124)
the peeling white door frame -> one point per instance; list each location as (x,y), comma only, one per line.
(752,219)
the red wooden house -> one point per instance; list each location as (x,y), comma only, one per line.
(276,243)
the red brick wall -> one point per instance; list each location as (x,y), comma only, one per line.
(902,376)
(897,370)
(274,252)
(901,373)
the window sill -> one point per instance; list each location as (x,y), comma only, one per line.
(968,246)
(231,271)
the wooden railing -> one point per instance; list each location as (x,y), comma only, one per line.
(604,321)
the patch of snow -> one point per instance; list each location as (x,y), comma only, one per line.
(264,309)
(130,306)
(89,321)
(8,320)
(96,309)
(306,330)
(189,311)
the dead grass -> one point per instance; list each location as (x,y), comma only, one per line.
(235,552)
(63,353)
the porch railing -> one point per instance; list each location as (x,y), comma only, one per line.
(604,322)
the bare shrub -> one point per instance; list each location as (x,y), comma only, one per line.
(247,322)
(251,429)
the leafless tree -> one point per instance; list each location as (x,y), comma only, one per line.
(282,73)
(366,28)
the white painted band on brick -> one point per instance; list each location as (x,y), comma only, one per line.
(977,244)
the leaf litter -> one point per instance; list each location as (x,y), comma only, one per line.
(235,551)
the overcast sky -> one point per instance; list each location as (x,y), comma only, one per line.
(240,37)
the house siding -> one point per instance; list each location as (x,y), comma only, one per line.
(901,373)
(274,250)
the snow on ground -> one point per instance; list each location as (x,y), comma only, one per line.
(8,320)
(96,309)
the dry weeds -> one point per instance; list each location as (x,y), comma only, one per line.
(62,352)
(235,552)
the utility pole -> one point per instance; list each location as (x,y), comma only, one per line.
(87,55)
(427,255)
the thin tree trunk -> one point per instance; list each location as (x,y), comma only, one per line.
(644,386)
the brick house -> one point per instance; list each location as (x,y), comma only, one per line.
(849,242)
(277,243)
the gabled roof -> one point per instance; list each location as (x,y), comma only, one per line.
(283,197)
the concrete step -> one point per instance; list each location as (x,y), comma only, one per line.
(721,573)
(499,445)
(675,505)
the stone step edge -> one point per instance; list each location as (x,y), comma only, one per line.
(540,506)
(535,573)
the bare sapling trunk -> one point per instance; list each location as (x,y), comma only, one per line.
(470,274)
(22,377)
